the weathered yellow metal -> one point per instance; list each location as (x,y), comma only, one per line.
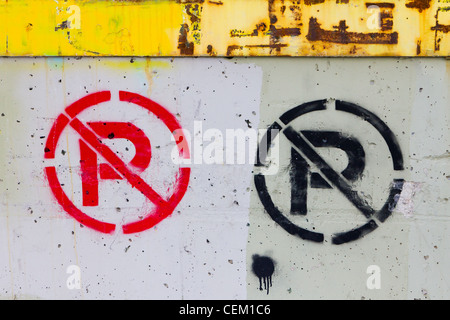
(225,28)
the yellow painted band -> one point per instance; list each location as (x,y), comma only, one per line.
(225,28)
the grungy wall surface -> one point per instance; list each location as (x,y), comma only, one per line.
(138,178)
(224,28)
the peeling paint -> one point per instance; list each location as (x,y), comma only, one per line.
(225,28)
(405,204)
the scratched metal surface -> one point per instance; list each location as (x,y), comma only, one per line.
(225,28)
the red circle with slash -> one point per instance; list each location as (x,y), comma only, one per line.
(164,207)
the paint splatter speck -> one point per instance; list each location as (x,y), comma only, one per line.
(263,267)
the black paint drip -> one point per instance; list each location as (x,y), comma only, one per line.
(263,268)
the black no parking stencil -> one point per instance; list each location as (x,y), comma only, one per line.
(303,153)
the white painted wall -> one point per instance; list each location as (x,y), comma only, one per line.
(205,249)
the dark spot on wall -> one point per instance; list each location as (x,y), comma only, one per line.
(210,50)
(263,267)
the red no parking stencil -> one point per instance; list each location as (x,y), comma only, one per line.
(91,135)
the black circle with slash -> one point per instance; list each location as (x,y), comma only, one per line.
(303,144)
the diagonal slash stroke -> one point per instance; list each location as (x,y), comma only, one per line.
(335,178)
(134,179)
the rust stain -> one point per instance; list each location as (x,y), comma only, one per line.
(284,22)
(276,47)
(210,50)
(283,32)
(260,29)
(420,5)
(442,28)
(222,28)
(190,31)
(274,39)
(278,8)
(439,29)
(341,35)
(188,1)
(185,47)
(233,47)
(311,2)
(193,11)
